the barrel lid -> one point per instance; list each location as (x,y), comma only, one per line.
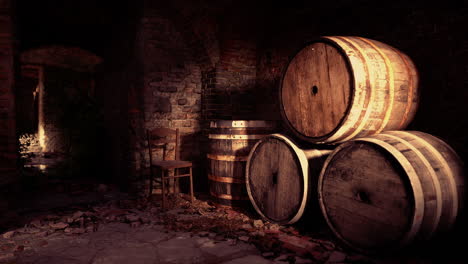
(366,197)
(277,179)
(316,89)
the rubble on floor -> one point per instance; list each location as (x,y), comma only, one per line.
(215,234)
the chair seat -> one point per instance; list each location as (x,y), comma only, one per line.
(172,164)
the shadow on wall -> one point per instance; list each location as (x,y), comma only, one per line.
(244,103)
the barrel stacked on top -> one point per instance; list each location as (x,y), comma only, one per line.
(380,189)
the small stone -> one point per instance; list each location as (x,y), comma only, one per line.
(268,254)
(6,247)
(219,238)
(247,227)
(60,225)
(182,101)
(257,223)
(77,215)
(33,230)
(18,248)
(43,234)
(274,227)
(203,234)
(9,234)
(132,218)
(298,245)
(75,230)
(231,214)
(244,238)
(43,243)
(232,242)
(211,235)
(135,224)
(36,223)
(7,257)
(281,258)
(337,256)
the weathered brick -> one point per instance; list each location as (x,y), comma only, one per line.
(182,101)
(162,105)
(167,89)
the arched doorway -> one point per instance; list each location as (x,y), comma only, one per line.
(56,108)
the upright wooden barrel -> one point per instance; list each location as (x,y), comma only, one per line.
(230,142)
(339,88)
(279,178)
(385,191)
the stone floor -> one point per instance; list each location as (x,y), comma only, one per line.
(120,243)
(106,226)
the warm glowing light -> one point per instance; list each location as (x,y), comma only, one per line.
(41,131)
(42,167)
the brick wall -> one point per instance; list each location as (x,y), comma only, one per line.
(170,95)
(229,88)
(8,144)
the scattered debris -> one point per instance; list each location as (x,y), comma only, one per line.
(278,243)
(59,225)
(244,238)
(7,257)
(274,227)
(18,248)
(9,234)
(247,227)
(258,223)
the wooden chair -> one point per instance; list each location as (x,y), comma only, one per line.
(161,138)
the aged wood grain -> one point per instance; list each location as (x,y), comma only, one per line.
(278,178)
(340,88)
(230,142)
(404,186)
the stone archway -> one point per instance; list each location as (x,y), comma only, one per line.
(56,85)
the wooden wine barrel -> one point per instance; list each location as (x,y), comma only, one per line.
(230,143)
(388,190)
(279,178)
(339,88)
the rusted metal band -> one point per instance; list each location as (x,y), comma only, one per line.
(226,157)
(225,179)
(231,136)
(242,123)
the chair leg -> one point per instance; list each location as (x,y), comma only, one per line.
(176,181)
(163,189)
(191,186)
(151,178)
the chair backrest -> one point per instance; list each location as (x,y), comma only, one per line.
(160,138)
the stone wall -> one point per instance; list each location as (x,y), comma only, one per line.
(8,142)
(171,92)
